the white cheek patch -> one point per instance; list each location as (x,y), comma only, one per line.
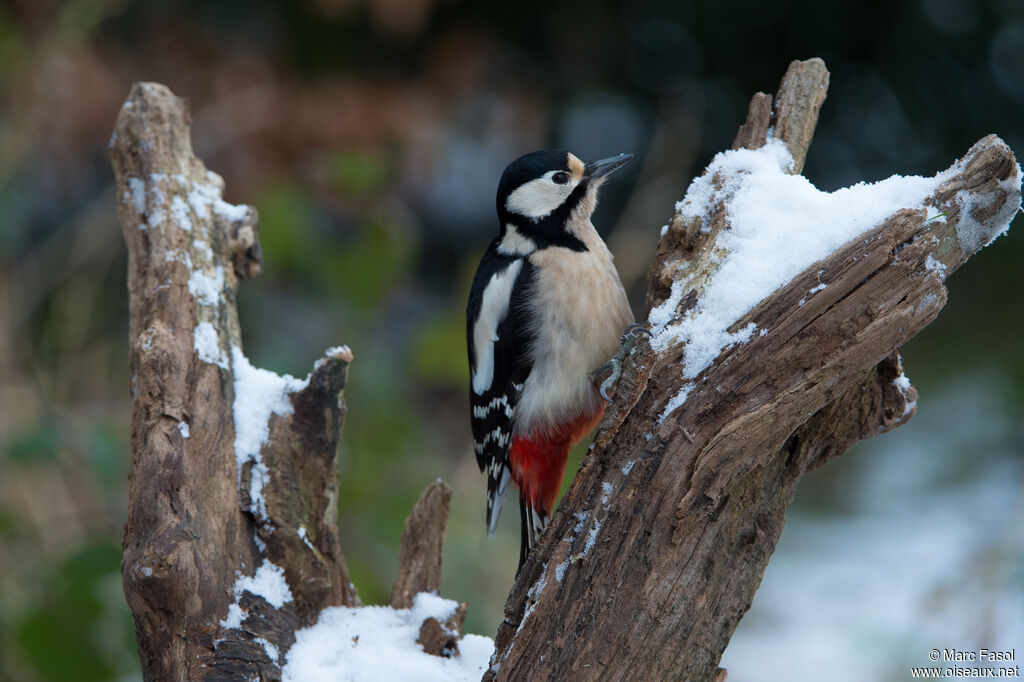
(539,197)
(493,310)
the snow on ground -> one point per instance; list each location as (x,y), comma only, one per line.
(781,225)
(928,555)
(378,644)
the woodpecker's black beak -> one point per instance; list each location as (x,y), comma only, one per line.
(599,169)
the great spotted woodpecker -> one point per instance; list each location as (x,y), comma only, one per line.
(546,309)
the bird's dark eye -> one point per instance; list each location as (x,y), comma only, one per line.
(560,178)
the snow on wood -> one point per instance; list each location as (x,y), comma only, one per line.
(780,225)
(267,582)
(259,393)
(207,345)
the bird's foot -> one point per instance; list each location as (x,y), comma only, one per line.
(615,364)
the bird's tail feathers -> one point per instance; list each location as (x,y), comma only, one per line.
(533,522)
(496,485)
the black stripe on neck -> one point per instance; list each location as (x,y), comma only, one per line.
(551,229)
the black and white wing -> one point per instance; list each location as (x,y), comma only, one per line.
(497,339)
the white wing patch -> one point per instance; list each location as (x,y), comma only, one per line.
(493,309)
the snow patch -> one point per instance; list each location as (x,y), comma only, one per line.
(180,256)
(303,535)
(259,393)
(206,198)
(204,248)
(662,314)
(268,582)
(378,644)
(206,288)
(591,538)
(902,383)
(207,345)
(780,225)
(581,518)
(202,197)
(232,212)
(677,400)
(269,648)
(936,266)
(934,214)
(331,353)
(180,214)
(234,619)
(532,595)
(138,195)
(183,429)
(628,467)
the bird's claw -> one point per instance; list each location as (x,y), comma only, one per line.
(633,330)
(628,341)
(609,382)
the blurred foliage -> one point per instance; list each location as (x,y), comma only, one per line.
(358,175)
(38,444)
(370,135)
(79,617)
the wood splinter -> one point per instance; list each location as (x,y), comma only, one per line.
(419,568)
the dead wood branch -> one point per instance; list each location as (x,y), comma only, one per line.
(419,568)
(419,557)
(657,549)
(188,535)
(231,542)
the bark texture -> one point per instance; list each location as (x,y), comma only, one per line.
(656,550)
(192,528)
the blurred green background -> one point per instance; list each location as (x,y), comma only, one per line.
(370,135)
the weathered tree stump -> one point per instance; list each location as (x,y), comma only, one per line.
(231,542)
